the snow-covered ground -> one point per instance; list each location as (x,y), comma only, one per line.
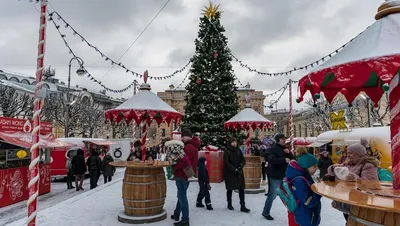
(58,194)
(102,205)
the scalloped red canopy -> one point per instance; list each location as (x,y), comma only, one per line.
(367,75)
(116,115)
(248,125)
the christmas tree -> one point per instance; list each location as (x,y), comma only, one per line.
(211,96)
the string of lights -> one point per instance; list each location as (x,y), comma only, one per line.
(283,90)
(304,67)
(107,58)
(82,66)
(184,79)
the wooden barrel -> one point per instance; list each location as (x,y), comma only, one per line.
(252,172)
(144,190)
(361,216)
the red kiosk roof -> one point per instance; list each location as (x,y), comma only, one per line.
(22,139)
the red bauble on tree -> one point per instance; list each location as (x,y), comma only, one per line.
(215,55)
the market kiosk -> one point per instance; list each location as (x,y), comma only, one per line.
(15,142)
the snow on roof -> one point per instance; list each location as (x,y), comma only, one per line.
(145,100)
(248,115)
(382,38)
(355,134)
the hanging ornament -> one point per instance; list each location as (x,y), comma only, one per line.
(343,91)
(215,55)
(385,87)
(199,81)
(317,96)
(315,105)
(299,100)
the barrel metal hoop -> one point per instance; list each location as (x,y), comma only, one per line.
(146,183)
(152,175)
(143,201)
(145,208)
(362,221)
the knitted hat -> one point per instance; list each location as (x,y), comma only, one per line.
(307,160)
(231,139)
(186,133)
(137,143)
(357,149)
(279,136)
(364,142)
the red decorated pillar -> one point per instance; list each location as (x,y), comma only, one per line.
(394,104)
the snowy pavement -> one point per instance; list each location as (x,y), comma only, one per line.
(58,194)
(102,205)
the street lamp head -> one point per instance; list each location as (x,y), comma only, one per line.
(81,71)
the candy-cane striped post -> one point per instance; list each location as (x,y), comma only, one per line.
(248,141)
(394,105)
(291,117)
(143,139)
(34,165)
(133,131)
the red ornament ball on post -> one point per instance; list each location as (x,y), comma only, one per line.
(343,91)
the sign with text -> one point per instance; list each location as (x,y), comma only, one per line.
(23,125)
(338,120)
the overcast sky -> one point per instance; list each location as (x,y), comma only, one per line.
(271,36)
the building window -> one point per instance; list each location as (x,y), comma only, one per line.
(24,81)
(294,130)
(305,131)
(299,130)
(3,77)
(45,86)
(14,79)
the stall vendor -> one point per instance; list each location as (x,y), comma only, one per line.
(136,155)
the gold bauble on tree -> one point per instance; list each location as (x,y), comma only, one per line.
(211,11)
(21,154)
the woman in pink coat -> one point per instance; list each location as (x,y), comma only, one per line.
(357,166)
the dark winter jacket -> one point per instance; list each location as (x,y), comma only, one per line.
(138,155)
(308,211)
(233,168)
(78,163)
(323,164)
(108,170)
(276,158)
(191,150)
(94,163)
(202,171)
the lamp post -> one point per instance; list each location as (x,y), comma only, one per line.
(81,71)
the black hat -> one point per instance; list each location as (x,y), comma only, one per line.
(137,143)
(231,139)
(279,136)
(186,133)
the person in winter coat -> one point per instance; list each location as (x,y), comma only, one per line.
(358,166)
(136,155)
(192,144)
(79,168)
(234,163)
(94,166)
(70,173)
(324,162)
(278,156)
(107,169)
(308,211)
(204,184)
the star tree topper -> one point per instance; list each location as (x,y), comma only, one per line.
(211,11)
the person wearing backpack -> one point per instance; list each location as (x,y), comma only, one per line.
(278,158)
(296,191)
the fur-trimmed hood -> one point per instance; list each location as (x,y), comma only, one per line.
(173,143)
(374,161)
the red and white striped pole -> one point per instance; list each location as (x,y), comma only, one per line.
(291,116)
(37,103)
(143,139)
(394,104)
